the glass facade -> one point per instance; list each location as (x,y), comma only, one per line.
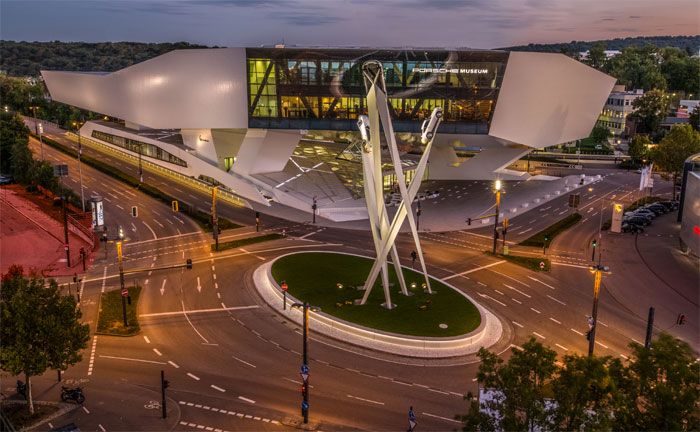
(147,150)
(324,89)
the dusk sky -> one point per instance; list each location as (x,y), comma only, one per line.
(436,23)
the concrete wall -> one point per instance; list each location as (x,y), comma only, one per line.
(691,214)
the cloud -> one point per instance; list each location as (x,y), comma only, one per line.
(242,3)
(306,19)
(634,17)
(607,19)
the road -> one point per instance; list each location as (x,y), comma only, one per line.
(233,362)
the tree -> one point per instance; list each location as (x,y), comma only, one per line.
(694,118)
(583,391)
(650,110)
(40,329)
(681,142)
(662,391)
(600,134)
(638,148)
(637,68)
(596,55)
(15,156)
(518,386)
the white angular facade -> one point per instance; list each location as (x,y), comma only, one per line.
(278,123)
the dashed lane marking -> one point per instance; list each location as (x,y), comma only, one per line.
(173,364)
(517,324)
(245,399)
(562,347)
(491,298)
(217,388)
(543,283)
(193,376)
(556,321)
(132,359)
(147,339)
(98,425)
(535,310)
(517,301)
(365,400)
(602,344)
(517,290)
(577,332)
(556,300)
(441,418)
(539,335)
(244,362)
(157,352)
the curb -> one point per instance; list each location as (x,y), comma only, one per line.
(488,333)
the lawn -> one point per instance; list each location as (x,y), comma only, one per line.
(111,321)
(314,277)
(552,231)
(245,242)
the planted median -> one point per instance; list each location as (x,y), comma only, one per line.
(245,242)
(548,234)
(111,320)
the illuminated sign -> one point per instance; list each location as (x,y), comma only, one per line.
(451,70)
(616,225)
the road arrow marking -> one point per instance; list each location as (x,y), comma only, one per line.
(199,285)
(162,287)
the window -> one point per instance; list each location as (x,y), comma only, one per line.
(145,149)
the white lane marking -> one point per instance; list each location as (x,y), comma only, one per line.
(132,359)
(624,357)
(92,355)
(523,232)
(147,339)
(556,321)
(104,279)
(517,290)
(562,347)
(517,301)
(498,292)
(602,344)
(195,311)
(568,265)
(511,278)
(217,388)
(250,253)
(537,280)
(155,237)
(489,297)
(365,400)
(577,332)
(244,362)
(193,376)
(157,352)
(246,399)
(535,310)
(517,324)
(173,364)
(190,322)
(556,300)
(86,410)
(159,224)
(133,227)
(441,418)
(119,206)
(310,234)
(473,270)
(539,335)
(98,425)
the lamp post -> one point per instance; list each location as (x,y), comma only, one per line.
(121,280)
(597,271)
(305,307)
(80,166)
(498,205)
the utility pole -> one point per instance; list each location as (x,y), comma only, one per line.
(121,281)
(80,166)
(65,228)
(305,307)
(164,384)
(140,167)
(495,224)
(505,231)
(597,277)
(650,328)
(214,217)
(41,140)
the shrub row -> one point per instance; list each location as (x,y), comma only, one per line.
(202,218)
(246,241)
(552,231)
(532,263)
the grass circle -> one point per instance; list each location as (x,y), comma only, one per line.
(330,281)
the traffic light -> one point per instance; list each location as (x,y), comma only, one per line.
(304,388)
(175,206)
(134,211)
(469,221)
(189,264)
(505,226)
(595,243)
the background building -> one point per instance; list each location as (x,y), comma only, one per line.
(617,107)
(279,123)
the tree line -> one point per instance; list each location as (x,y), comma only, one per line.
(689,44)
(656,390)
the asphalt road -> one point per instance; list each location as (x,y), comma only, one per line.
(233,362)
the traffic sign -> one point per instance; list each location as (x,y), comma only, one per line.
(541,265)
(304,372)
(285,287)
(305,406)
(125,292)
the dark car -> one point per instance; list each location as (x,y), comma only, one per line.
(670,205)
(632,227)
(4,180)
(637,220)
(657,208)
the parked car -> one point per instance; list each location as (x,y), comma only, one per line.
(6,180)
(670,205)
(656,208)
(637,220)
(645,211)
(632,227)
(645,214)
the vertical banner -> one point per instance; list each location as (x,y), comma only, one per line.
(616,225)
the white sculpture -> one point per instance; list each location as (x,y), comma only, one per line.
(384,232)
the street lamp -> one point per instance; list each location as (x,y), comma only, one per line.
(305,307)
(597,271)
(498,205)
(76,125)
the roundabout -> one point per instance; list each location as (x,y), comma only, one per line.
(446,323)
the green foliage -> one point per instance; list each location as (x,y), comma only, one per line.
(637,68)
(600,134)
(532,263)
(596,55)
(694,118)
(15,156)
(111,320)
(656,390)
(689,44)
(650,110)
(245,242)
(638,148)
(28,58)
(313,277)
(40,329)
(552,231)
(680,143)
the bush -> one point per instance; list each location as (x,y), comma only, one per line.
(532,263)
(111,320)
(552,231)
(246,241)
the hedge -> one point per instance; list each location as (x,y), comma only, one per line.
(532,263)
(246,241)
(552,231)
(202,218)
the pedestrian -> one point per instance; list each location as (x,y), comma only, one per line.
(414,255)
(411,420)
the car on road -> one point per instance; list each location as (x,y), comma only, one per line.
(632,227)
